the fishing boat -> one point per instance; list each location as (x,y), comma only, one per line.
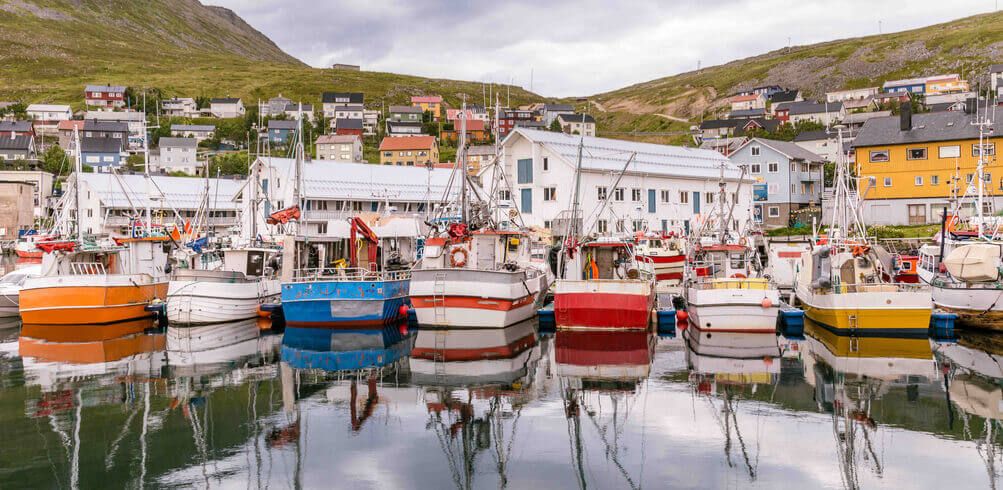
(10,289)
(85,282)
(601,282)
(841,282)
(476,270)
(474,356)
(234,290)
(727,289)
(26,246)
(663,254)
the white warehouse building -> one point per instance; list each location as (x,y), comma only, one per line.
(665,188)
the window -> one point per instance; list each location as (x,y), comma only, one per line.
(602,226)
(934,179)
(618,194)
(773,211)
(90,213)
(527,200)
(988,150)
(773,167)
(949,151)
(888,181)
(601,193)
(969,178)
(878,156)
(548,224)
(549,194)
(919,180)
(916,154)
(321,228)
(803,167)
(755,151)
(504,195)
(666,196)
(525,171)
(684,197)
(756,168)
(620,228)
(637,225)
(635,195)
(709,198)
(794,167)
(546,165)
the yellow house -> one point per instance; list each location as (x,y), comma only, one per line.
(909,166)
(428,103)
(946,84)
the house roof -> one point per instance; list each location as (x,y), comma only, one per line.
(296,108)
(342,97)
(225,100)
(529,123)
(426,99)
(405,109)
(862,117)
(576,118)
(104,88)
(788,149)
(926,127)
(69,124)
(904,82)
(183,193)
(346,123)
(110,126)
(610,155)
(126,116)
(720,123)
(193,127)
(101,145)
(744,98)
(351,108)
(811,107)
(747,113)
(480,150)
(48,108)
(365,182)
(558,108)
(472,125)
(282,124)
(785,96)
(814,135)
(168,142)
(407,143)
(996,68)
(767,124)
(338,138)
(22,142)
(16,126)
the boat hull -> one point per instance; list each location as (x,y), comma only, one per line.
(9,305)
(733,310)
(665,267)
(889,313)
(344,304)
(603,304)
(87,300)
(203,302)
(28,254)
(978,308)
(474,298)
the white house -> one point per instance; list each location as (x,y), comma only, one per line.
(198,131)
(331,197)
(747,102)
(227,107)
(46,117)
(179,155)
(577,124)
(851,94)
(180,107)
(110,202)
(339,148)
(664,187)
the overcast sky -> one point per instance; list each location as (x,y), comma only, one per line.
(579,47)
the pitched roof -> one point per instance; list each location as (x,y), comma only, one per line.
(296,108)
(405,109)
(558,108)
(747,113)
(342,97)
(407,143)
(338,138)
(69,124)
(346,123)
(610,155)
(926,127)
(127,116)
(862,117)
(110,126)
(104,88)
(16,126)
(788,149)
(168,142)
(366,182)
(101,145)
(193,127)
(744,98)
(22,142)
(576,118)
(811,107)
(720,123)
(479,150)
(351,108)
(426,99)
(814,135)
(996,68)
(48,108)
(225,100)
(904,82)
(180,192)
(785,96)
(282,124)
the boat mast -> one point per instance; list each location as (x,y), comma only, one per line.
(576,203)
(461,162)
(721,198)
(79,170)
(298,167)
(146,167)
(982,123)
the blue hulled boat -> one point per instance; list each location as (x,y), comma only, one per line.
(344,350)
(346,298)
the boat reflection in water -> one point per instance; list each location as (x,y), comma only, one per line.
(211,349)
(469,357)
(859,380)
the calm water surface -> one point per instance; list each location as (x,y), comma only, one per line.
(230,407)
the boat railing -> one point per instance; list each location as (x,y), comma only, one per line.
(348,274)
(732,283)
(87,269)
(887,287)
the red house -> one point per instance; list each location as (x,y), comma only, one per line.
(348,126)
(105,96)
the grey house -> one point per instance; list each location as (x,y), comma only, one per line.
(788,181)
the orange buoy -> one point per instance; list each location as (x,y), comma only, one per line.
(682,316)
(767,303)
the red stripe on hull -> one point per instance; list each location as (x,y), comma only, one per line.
(476,303)
(671,259)
(603,310)
(669,276)
(471,354)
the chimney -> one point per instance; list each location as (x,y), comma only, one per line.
(905,116)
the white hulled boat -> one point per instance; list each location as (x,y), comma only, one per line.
(10,289)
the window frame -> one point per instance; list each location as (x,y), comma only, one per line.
(909,155)
(871,155)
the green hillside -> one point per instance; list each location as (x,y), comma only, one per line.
(52,48)
(966,46)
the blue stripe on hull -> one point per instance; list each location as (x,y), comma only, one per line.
(344,304)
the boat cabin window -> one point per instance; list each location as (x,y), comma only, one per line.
(655,243)
(605,262)
(255,263)
(738,260)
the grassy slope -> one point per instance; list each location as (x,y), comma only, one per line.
(965,46)
(54,47)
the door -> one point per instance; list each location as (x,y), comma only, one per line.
(917,214)
(486,252)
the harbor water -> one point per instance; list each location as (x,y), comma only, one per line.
(239,405)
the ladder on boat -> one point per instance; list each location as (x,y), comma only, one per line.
(439,353)
(439,298)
